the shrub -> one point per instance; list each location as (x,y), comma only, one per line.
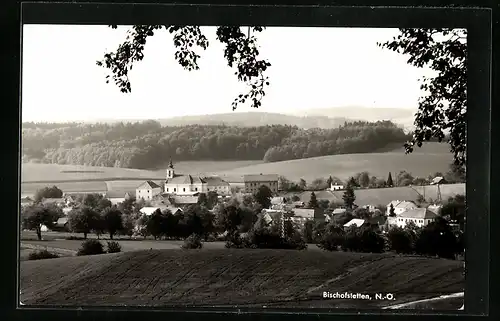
(332,238)
(73,238)
(91,247)
(192,242)
(114,247)
(235,241)
(41,255)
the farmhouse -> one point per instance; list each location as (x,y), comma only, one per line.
(253,182)
(400,206)
(61,224)
(336,187)
(420,216)
(190,185)
(147,191)
(116,197)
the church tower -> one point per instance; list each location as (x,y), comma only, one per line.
(170,170)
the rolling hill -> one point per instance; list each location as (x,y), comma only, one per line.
(236,277)
(431,158)
(402,116)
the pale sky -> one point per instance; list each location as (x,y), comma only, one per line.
(311,68)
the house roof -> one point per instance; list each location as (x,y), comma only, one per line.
(260,178)
(277,200)
(184,179)
(215,181)
(339,211)
(149,210)
(418,213)
(310,213)
(148,184)
(434,208)
(117,194)
(437,180)
(355,221)
(62,221)
(402,204)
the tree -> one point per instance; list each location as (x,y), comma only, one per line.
(364,179)
(443,108)
(361,213)
(404,178)
(302,184)
(240,52)
(142,226)
(228,218)
(295,198)
(283,183)
(349,197)
(391,211)
(103,204)
(390,183)
(128,225)
(456,174)
(313,201)
(48,192)
(83,220)
(454,210)
(324,204)
(399,240)
(212,199)
(352,182)
(437,239)
(35,216)
(202,199)
(263,196)
(155,224)
(92,200)
(113,221)
(329,181)
(308,231)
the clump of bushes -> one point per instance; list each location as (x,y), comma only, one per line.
(91,247)
(74,238)
(114,247)
(41,255)
(192,242)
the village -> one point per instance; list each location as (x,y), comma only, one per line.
(180,191)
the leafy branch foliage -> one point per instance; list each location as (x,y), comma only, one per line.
(241,52)
(443,108)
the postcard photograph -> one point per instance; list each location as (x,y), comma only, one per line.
(269,167)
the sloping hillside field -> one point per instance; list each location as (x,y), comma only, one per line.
(236,277)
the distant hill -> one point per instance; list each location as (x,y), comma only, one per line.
(402,116)
(432,157)
(254,119)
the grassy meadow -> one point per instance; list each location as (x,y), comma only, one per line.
(236,277)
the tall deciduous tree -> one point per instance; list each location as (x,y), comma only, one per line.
(113,221)
(443,107)
(83,220)
(48,192)
(263,196)
(35,216)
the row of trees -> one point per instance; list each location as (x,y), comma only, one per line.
(435,239)
(147,144)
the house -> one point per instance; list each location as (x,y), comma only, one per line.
(303,214)
(189,185)
(336,187)
(215,184)
(420,216)
(400,207)
(116,197)
(253,182)
(356,222)
(379,222)
(147,191)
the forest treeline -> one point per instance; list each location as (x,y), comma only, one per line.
(147,144)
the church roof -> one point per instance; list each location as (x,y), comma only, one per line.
(184,179)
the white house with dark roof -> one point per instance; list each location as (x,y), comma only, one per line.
(147,190)
(420,216)
(253,182)
(400,207)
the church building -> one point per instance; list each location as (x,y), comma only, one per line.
(189,185)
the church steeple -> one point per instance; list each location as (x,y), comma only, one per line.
(170,170)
